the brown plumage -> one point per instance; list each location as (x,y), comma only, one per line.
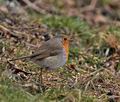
(51,54)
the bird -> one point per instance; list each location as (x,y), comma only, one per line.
(52,54)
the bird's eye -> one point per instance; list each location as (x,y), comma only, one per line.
(65,38)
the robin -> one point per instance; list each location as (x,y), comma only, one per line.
(52,54)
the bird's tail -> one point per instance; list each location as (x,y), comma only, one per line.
(24,57)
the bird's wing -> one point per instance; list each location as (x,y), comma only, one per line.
(51,48)
(47,54)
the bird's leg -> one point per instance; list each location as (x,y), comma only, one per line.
(41,78)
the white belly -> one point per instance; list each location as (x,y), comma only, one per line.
(53,62)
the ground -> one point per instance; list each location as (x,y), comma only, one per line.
(91,74)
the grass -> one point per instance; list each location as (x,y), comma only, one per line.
(9,93)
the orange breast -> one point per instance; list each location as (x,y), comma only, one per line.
(66,47)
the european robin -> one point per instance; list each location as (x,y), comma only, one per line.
(52,54)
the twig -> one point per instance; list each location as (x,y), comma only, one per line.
(90,7)
(93,3)
(88,83)
(34,7)
(91,80)
(15,34)
(95,72)
(93,85)
(4,28)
